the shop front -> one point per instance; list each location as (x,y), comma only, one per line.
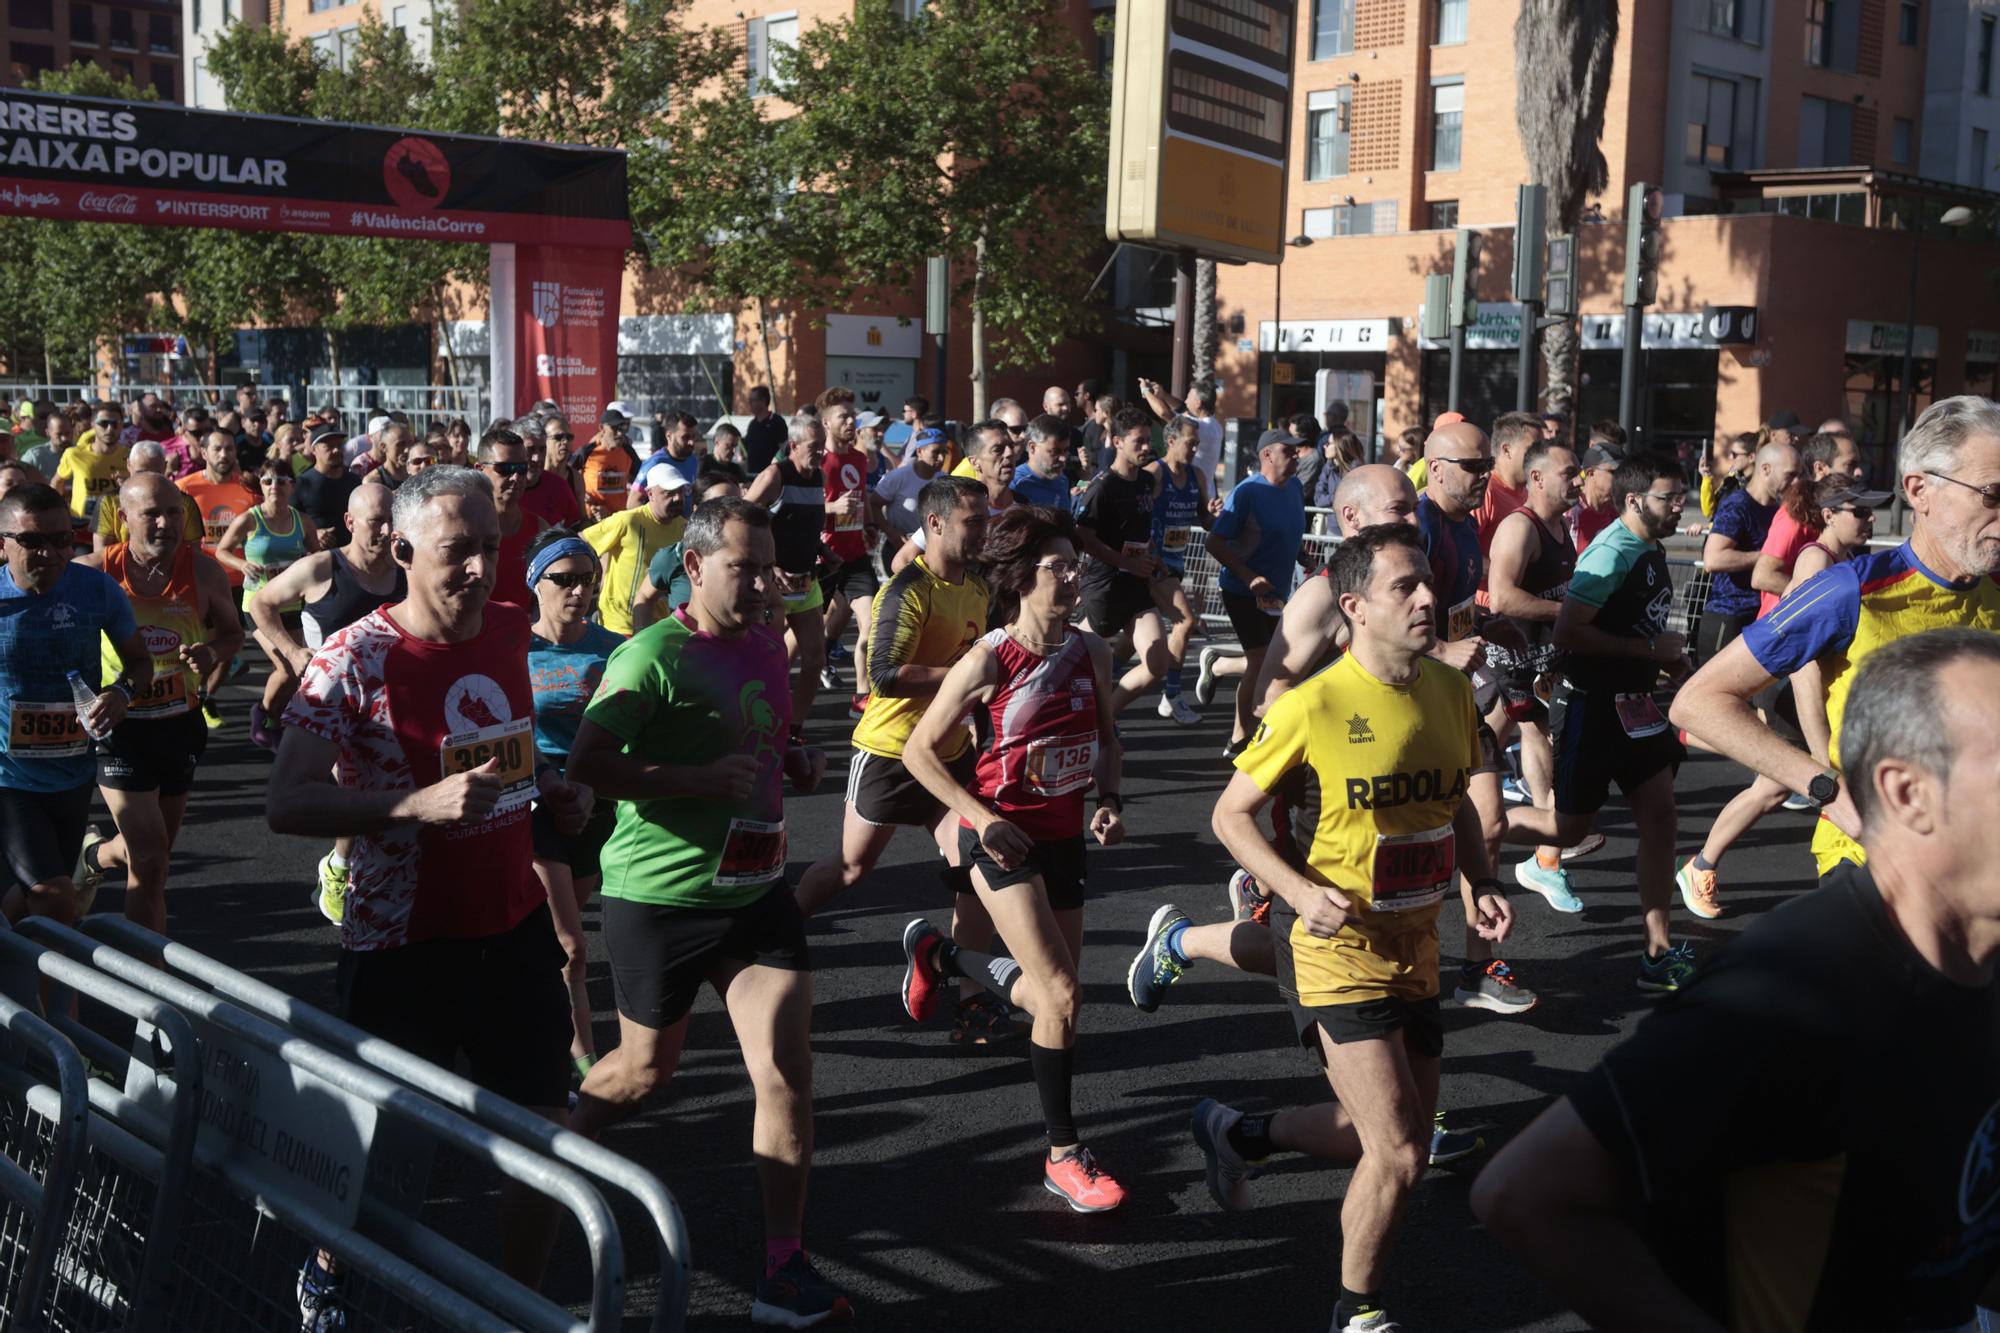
(1873,373)
(875,356)
(1292,355)
(1982,355)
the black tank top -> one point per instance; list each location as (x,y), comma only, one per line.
(1548,574)
(346,601)
(797,517)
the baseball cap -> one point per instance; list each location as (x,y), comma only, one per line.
(618,412)
(1602,455)
(26,409)
(1447,418)
(929,435)
(1854,495)
(869,420)
(1783,421)
(378,424)
(664,477)
(1271,437)
(322,433)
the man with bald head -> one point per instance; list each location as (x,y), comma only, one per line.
(186,614)
(145,457)
(1735,539)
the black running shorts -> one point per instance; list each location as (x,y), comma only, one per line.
(856,579)
(1111,603)
(1592,751)
(1254,626)
(883,791)
(41,833)
(662,955)
(1058,864)
(580,850)
(153,754)
(1371,1019)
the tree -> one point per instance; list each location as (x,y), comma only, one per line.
(1562,53)
(1202,337)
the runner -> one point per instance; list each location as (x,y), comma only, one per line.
(930,613)
(852,519)
(1528,567)
(46,457)
(1114,527)
(664,585)
(608,464)
(1256,541)
(505,459)
(1646,1197)
(186,615)
(1949,471)
(1797,523)
(554,493)
(144,457)
(794,489)
(334,587)
(988,453)
(922,462)
(261,542)
(88,475)
(1040,480)
(1042,687)
(52,614)
(566,659)
(1357,898)
(323,488)
(1593,511)
(1180,505)
(628,542)
(1612,630)
(1735,539)
(688,732)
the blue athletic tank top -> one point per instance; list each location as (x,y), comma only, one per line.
(1175,513)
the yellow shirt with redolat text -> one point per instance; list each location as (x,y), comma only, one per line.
(1371,775)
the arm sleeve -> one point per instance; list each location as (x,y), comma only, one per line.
(629,695)
(899,624)
(1599,571)
(603,536)
(1819,613)
(1279,744)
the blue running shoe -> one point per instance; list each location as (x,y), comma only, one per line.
(1513,792)
(1670,971)
(1551,884)
(796,1296)
(1452,1145)
(1228,1174)
(1154,967)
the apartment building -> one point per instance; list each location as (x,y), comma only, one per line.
(330,24)
(1796,142)
(140,39)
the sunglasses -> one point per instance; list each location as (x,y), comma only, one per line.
(569,582)
(1989,494)
(507,469)
(1021,429)
(39,541)
(1475,466)
(104,423)
(562,437)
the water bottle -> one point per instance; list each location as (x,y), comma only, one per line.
(84,697)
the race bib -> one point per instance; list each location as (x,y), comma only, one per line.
(1461,620)
(512,743)
(1059,766)
(167,696)
(1413,870)
(90,510)
(753,853)
(1271,606)
(212,530)
(1174,539)
(1137,550)
(46,731)
(1639,715)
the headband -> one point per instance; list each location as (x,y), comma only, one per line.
(555,551)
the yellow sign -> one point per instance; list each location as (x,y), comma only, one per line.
(1201,125)
(1281,372)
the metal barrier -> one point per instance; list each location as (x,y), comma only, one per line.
(426,405)
(301,1150)
(117,391)
(462,1095)
(35,1214)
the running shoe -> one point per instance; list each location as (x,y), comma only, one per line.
(1177,709)
(265,732)
(1082,1184)
(1794,801)
(329,895)
(1513,792)
(1698,890)
(320,1310)
(921,980)
(1154,967)
(1492,986)
(1370,1321)
(857,705)
(983,1021)
(796,1296)
(838,651)
(1247,902)
(1452,1145)
(1590,844)
(1670,971)
(1228,1174)
(1234,748)
(211,714)
(1551,884)
(239,667)
(829,677)
(85,879)
(1204,681)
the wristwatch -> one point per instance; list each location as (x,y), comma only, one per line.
(1112,799)
(1488,884)
(1823,788)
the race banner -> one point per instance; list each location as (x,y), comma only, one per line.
(554,321)
(93,160)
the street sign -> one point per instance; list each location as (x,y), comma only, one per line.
(1529,209)
(1201,125)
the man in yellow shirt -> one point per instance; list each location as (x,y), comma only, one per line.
(628,540)
(88,474)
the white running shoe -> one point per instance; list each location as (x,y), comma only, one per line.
(1204,681)
(1176,708)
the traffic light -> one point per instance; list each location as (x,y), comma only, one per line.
(1642,244)
(1464,280)
(1562,276)
(1437,307)
(1529,211)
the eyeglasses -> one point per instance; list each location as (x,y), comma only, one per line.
(507,469)
(279,479)
(1064,570)
(419,464)
(1476,466)
(561,437)
(568,582)
(1668,498)
(1989,494)
(39,541)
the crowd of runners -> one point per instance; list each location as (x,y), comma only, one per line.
(507,671)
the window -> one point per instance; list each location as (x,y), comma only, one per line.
(320,6)
(1907,19)
(1726,17)
(1451,17)
(762,36)
(399,18)
(1819,32)
(1979,161)
(121,30)
(1444,214)
(1826,133)
(1447,124)
(162,34)
(38,15)
(31,59)
(82,25)
(1327,120)
(1350,220)
(1333,28)
(163,80)
(910,9)
(1985,72)
(1711,128)
(1902,138)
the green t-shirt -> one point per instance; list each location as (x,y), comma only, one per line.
(675,695)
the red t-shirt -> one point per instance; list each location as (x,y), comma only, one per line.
(1783,543)
(405,713)
(510,580)
(552,501)
(1043,757)
(1585,523)
(846,537)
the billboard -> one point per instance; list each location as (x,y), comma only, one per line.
(1201,114)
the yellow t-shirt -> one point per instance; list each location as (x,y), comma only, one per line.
(1372,775)
(965,469)
(919,620)
(93,479)
(627,542)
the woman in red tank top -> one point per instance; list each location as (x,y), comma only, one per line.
(1046,691)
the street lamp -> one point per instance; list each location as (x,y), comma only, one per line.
(1298,242)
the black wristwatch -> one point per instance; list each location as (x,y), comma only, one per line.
(1823,788)
(1112,799)
(1490,885)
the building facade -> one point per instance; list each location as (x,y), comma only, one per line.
(141,39)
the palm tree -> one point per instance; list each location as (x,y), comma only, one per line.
(1203,334)
(1562,64)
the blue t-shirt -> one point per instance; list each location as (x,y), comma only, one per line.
(1747,523)
(1280,515)
(564,676)
(898,435)
(689,467)
(42,639)
(1035,489)
(1176,513)
(1456,567)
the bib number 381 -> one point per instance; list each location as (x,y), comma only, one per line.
(512,743)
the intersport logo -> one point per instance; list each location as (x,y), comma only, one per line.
(114,205)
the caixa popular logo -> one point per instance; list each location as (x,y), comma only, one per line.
(546,300)
(416,173)
(111,205)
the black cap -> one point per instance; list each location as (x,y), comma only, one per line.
(1271,437)
(1783,421)
(1602,454)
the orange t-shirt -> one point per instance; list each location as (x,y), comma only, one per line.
(608,477)
(221,503)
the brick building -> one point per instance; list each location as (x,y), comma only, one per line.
(140,39)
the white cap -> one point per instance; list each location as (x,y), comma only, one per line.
(622,408)
(378,424)
(869,420)
(664,477)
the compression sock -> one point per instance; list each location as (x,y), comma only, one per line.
(1173,684)
(1701,863)
(90,857)
(1174,933)
(1052,1075)
(778,1251)
(1549,858)
(1352,1305)
(997,973)
(1251,1137)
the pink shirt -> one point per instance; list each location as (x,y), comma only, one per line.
(1783,544)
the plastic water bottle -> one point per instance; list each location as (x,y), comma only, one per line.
(84,696)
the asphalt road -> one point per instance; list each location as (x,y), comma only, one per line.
(927,1205)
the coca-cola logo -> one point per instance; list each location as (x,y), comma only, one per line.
(117,205)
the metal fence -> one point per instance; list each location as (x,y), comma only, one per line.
(180,395)
(426,405)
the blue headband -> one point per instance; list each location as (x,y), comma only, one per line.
(555,551)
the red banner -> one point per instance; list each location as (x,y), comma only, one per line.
(554,315)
